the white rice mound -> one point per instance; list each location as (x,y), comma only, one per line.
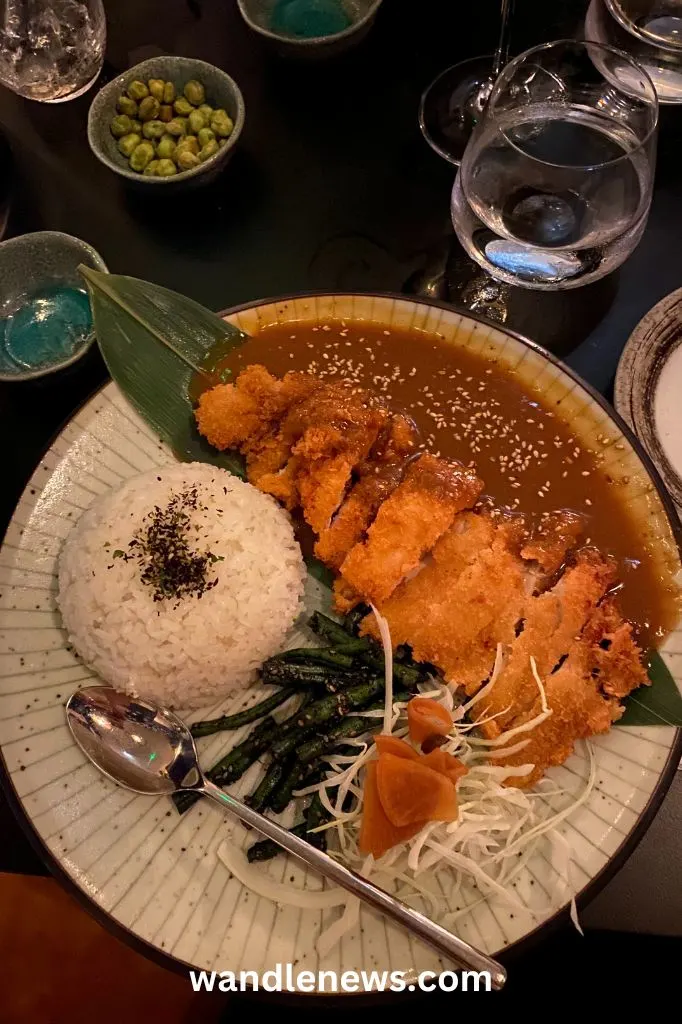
(188,652)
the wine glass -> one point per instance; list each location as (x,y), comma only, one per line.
(454,102)
(555,185)
(51,50)
(650,31)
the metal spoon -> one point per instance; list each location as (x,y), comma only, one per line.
(147,749)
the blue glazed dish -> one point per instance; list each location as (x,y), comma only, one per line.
(45,320)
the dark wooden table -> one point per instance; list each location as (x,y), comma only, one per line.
(332,187)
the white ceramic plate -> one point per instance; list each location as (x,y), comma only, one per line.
(156,876)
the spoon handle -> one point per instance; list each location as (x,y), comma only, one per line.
(442,940)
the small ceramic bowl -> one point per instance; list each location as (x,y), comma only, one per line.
(29,264)
(258,13)
(221,92)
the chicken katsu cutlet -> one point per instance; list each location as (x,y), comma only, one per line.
(550,623)
(246,416)
(602,664)
(330,434)
(376,479)
(454,576)
(473,586)
(408,524)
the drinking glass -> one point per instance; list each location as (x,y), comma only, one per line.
(51,50)
(454,102)
(555,185)
(650,31)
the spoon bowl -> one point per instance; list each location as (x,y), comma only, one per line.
(147,749)
(140,746)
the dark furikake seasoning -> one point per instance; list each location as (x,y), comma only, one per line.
(172,566)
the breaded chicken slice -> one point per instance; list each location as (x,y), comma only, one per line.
(603,664)
(551,623)
(378,476)
(330,435)
(618,667)
(408,524)
(246,415)
(552,539)
(229,414)
(466,599)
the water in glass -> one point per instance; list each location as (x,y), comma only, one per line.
(555,186)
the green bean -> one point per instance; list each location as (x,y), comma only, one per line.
(405,670)
(334,654)
(265,790)
(289,780)
(236,761)
(303,677)
(328,629)
(266,849)
(241,718)
(316,815)
(295,729)
(347,728)
(351,621)
(317,655)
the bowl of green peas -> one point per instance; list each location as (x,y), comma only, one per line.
(166,122)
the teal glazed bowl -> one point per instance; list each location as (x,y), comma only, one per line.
(361,13)
(221,91)
(28,265)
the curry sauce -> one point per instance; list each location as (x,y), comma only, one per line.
(475,409)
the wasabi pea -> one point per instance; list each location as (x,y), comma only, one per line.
(182,107)
(165,169)
(156,88)
(136,127)
(137,90)
(195,92)
(189,142)
(186,160)
(165,148)
(154,130)
(209,150)
(165,112)
(149,109)
(205,136)
(176,127)
(128,143)
(206,110)
(196,121)
(121,125)
(141,156)
(168,93)
(221,123)
(151,168)
(125,105)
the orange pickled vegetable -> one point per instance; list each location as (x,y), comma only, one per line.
(425,717)
(394,745)
(410,792)
(447,765)
(377,833)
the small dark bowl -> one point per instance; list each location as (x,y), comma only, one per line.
(221,91)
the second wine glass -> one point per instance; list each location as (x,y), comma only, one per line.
(454,103)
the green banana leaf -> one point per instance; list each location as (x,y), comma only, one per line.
(154,341)
(658,704)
